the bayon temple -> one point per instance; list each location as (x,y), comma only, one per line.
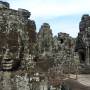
(25,50)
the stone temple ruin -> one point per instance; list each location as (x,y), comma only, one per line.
(19,40)
(55,49)
(16,32)
(21,46)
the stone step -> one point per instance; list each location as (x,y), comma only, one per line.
(84,69)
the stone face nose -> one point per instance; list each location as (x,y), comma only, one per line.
(6,55)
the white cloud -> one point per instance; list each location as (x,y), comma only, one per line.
(52,7)
(60,9)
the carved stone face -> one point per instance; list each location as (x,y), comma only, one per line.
(10,50)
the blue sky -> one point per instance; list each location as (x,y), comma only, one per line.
(62,15)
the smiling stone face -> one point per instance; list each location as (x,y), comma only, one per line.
(11,29)
(16,37)
(10,51)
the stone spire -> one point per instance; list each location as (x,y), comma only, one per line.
(45,38)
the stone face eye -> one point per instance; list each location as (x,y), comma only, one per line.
(2,50)
(62,41)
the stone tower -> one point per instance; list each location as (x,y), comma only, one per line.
(83,40)
(45,38)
